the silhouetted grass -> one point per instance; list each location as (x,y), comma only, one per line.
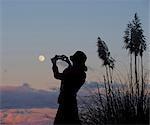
(116,106)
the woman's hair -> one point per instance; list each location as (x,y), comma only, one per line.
(80,58)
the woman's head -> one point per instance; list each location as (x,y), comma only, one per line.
(79,58)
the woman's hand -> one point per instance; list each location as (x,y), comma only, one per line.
(54,59)
(62,57)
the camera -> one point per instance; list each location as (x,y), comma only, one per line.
(61,57)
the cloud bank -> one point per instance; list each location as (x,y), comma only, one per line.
(26,97)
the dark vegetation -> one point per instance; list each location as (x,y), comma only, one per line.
(127,104)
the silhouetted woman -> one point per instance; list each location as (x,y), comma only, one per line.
(72,78)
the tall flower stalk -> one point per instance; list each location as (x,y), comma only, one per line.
(108,61)
(135,43)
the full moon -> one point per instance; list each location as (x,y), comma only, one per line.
(41,58)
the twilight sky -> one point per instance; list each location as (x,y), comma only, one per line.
(48,27)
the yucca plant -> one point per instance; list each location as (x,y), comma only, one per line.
(116,105)
(135,42)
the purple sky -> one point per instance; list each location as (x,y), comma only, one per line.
(33,27)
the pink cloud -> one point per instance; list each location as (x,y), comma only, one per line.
(9,118)
(41,116)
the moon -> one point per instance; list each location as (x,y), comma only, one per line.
(41,58)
